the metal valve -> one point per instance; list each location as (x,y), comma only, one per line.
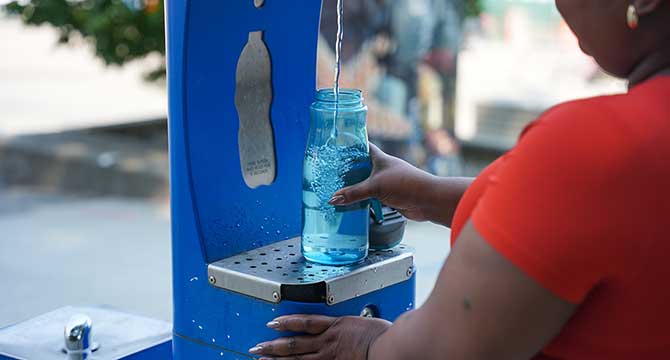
(78,343)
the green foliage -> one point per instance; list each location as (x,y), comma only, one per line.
(118,31)
(473,7)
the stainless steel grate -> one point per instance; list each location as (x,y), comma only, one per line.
(279,272)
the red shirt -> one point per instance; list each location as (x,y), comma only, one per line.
(582,206)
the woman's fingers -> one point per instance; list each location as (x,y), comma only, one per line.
(288,346)
(359,192)
(363,190)
(303,347)
(310,324)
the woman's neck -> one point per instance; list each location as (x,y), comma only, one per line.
(657,63)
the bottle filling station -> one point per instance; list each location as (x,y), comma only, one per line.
(241,77)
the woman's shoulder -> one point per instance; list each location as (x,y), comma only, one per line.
(587,119)
(612,113)
(583,132)
(594,111)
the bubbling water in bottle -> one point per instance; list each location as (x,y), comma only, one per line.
(334,235)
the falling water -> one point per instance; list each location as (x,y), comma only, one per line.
(338,66)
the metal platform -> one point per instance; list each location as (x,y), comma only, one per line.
(279,272)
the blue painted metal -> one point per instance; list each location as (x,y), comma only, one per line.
(214,213)
(212,45)
(238,323)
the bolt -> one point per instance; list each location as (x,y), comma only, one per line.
(212,279)
(410,270)
(275,296)
(331,299)
(367,312)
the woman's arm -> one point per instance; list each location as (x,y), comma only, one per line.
(482,307)
(415,193)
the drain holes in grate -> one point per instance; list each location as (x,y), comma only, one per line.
(249,259)
(253,266)
(290,245)
(237,262)
(277,250)
(262,254)
(264,263)
(279,267)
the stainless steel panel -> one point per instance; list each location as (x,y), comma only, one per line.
(279,272)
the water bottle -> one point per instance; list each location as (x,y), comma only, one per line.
(337,155)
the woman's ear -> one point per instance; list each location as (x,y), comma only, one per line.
(646,7)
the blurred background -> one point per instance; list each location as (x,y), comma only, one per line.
(84,200)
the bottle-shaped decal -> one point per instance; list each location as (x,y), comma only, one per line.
(253,97)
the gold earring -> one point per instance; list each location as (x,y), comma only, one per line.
(631,16)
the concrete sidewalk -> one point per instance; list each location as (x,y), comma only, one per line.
(59,250)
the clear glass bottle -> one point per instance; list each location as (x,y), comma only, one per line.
(337,155)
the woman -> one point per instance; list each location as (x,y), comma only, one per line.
(561,246)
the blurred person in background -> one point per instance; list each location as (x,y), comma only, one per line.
(400,52)
(560,247)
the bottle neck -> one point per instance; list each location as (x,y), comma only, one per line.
(347,99)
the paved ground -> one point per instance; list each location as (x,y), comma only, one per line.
(57,250)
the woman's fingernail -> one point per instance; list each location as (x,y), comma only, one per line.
(256,349)
(273,324)
(336,200)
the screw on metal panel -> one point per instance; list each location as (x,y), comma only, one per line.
(212,280)
(275,296)
(331,299)
(410,270)
(368,312)
(259,3)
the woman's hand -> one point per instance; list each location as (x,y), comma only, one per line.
(325,338)
(394,182)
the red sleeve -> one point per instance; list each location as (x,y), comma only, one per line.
(552,205)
